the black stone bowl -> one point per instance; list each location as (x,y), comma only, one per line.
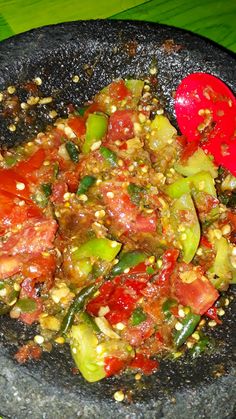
(98,52)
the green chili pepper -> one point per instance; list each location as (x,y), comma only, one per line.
(103,248)
(86,318)
(85,183)
(199,347)
(47,189)
(109,155)
(55,170)
(96,128)
(72,150)
(26,305)
(81,110)
(167,305)
(189,323)
(128,260)
(77,305)
(135,192)
(138,316)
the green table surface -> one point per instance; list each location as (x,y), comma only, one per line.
(214,19)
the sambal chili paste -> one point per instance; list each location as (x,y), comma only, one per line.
(113,236)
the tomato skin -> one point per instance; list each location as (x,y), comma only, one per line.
(118,90)
(9,265)
(39,266)
(121,125)
(77,124)
(59,188)
(124,214)
(113,365)
(26,167)
(199,294)
(9,180)
(146,365)
(34,237)
(146,224)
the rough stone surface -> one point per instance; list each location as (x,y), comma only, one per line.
(98,52)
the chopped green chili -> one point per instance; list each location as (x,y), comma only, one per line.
(109,155)
(85,183)
(138,316)
(47,189)
(77,305)
(102,248)
(73,151)
(189,324)
(166,307)
(128,260)
(26,305)
(135,192)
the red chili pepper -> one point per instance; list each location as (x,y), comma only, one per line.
(212,314)
(113,365)
(145,364)
(205,242)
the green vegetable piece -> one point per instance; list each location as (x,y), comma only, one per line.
(136,87)
(135,192)
(83,345)
(189,323)
(26,305)
(167,305)
(138,316)
(162,131)
(96,128)
(77,306)
(198,162)
(73,151)
(47,189)
(81,110)
(189,237)
(83,267)
(85,183)
(86,318)
(200,347)
(55,170)
(128,260)
(109,156)
(201,181)
(10,160)
(103,248)
(222,267)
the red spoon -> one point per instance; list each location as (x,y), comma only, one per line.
(206,112)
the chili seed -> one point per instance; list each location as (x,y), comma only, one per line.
(119,396)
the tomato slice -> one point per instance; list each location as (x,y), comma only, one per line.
(77,124)
(9,265)
(206,112)
(34,237)
(14,183)
(12,214)
(121,125)
(193,289)
(26,167)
